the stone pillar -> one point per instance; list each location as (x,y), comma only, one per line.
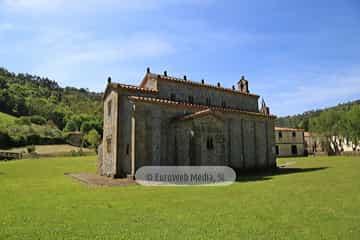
(132,175)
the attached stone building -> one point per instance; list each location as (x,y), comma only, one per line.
(175,121)
(289,142)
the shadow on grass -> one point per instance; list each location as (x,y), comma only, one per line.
(267,175)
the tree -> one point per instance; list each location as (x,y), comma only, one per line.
(2,83)
(93,138)
(6,102)
(92,124)
(85,127)
(353,125)
(58,118)
(70,126)
(20,108)
(328,125)
(38,120)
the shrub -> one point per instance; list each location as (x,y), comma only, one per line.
(71,126)
(18,141)
(92,124)
(23,121)
(30,149)
(85,127)
(38,120)
(93,138)
(34,139)
(5,140)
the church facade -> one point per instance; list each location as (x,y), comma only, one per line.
(168,121)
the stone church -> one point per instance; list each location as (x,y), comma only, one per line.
(171,121)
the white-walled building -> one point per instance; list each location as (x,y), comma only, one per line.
(289,142)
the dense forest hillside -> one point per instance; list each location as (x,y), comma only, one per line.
(303,120)
(42,102)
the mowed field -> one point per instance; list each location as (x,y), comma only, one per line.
(316,198)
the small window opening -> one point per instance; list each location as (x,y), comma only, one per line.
(127,149)
(209,143)
(294,134)
(277,150)
(280,134)
(108,145)
(109,107)
(208,102)
(191,99)
(294,149)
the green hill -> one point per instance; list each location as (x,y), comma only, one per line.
(22,131)
(6,120)
(44,109)
(303,120)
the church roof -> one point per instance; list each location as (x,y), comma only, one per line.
(199,114)
(132,87)
(198,106)
(190,82)
(111,86)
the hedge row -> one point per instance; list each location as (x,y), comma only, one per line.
(7,141)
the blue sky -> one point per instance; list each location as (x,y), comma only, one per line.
(298,55)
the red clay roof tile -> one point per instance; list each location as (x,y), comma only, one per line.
(199,106)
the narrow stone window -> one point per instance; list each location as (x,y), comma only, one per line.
(173,97)
(280,134)
(108,145)
(127,149)
(277,150)
(191,99)
(294,149)
(294,134)
(223,104)
(109,107)
(209,143)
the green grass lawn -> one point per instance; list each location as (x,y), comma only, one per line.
(318,199)
(6,119)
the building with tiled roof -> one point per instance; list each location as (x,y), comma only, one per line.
(177,121)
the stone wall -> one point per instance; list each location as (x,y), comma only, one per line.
(217,97)
(240,141)
(109,144)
